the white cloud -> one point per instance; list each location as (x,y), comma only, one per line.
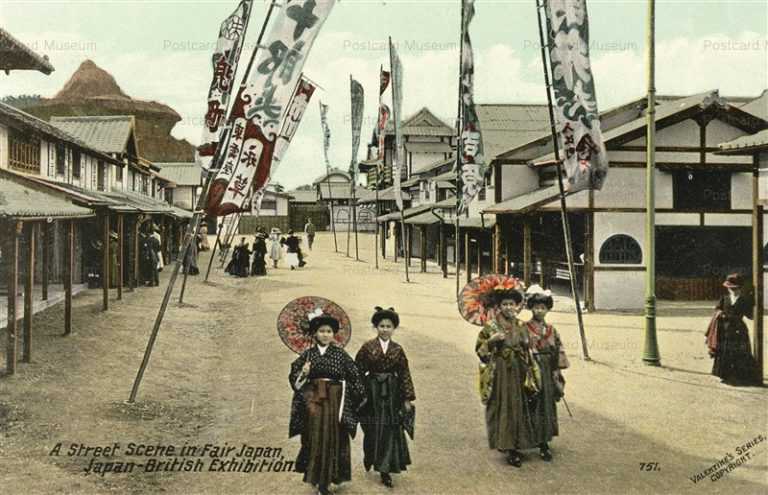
(179,78)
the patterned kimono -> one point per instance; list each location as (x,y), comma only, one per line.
(550,356)
(733,356)
(388,385)
(323,413)
(507,417)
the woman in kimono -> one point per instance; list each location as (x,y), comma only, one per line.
(275,248)
(384,367)
(259,265)
(728,337)
(502,347)
(550,357)
(327,392)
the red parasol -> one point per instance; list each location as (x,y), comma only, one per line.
(293,322)
(476,299)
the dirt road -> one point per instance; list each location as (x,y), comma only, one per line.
(218,376)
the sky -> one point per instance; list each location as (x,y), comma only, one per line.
(160,50)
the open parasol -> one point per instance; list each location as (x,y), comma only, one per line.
(476,300)
(293,322)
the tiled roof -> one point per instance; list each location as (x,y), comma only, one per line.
(746,145)
(423,123)
(407,213)
(23,121)
(369,196)
(525,202)
(333,171)
(109,134)
(432,166)
(15,55)
(758,107)
(418,147)
(21,198)
(302,196)
(506,126)
(183,174)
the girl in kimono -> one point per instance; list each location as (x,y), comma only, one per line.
(550,357)
(327,393)
(502,347)
(384,367)
(728,337)
(259,265)
(275,248)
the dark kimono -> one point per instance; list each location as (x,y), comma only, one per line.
(332,388)
(733,356)
(259,266)
(388,385)
(507,416)
(550,357)
(240,263)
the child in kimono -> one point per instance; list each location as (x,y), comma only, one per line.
(327,392)
(550,357)
(384,367)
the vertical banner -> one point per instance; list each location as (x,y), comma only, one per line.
(577,119)
(296,109)
(224,61)
(398,160)
(326,134)
(262,101)
(473,166)
(357,96)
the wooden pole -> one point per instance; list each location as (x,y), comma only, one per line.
(589,260)
(506,256)
(397,235)
(563,207)
(29,291)
(423,237)
(13,288)
(757,269)
(120,255)
(479,242)
(213,253)
(105,272)
(527,251)
(69,261)
(497,246)
(467,258)
(443,252)
(135,274)
(45,247)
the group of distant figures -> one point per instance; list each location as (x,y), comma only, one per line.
(252,261)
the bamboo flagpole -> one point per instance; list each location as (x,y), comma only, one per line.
(585,152)
(189,235)
(459,126)
(357,99)
(396,71)
(326,145)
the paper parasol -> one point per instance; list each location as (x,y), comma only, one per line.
(476,300)
(293,322)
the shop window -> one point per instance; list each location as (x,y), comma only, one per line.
(23,152)
(101,173)
(76,164)
(621,249)
(61,162)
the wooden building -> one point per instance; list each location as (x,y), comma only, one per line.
(703,205)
